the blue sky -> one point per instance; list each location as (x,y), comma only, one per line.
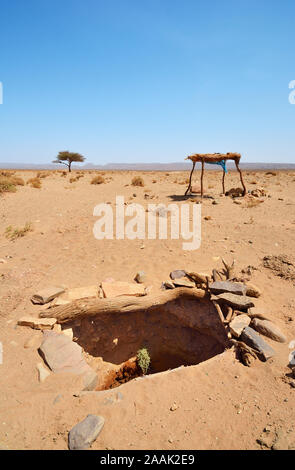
(149,81)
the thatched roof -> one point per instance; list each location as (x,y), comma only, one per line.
(214,157)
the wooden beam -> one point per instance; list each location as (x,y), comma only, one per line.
(190,179)
(223,187)
(125,304)
(241,178)
(202,175)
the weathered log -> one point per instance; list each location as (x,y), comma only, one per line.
(91,307)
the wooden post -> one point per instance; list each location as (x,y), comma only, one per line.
(202,174)
(241,178)
(223,187)
(190,179)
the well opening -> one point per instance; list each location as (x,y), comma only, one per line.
(181,332)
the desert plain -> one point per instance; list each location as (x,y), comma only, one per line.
(217,404)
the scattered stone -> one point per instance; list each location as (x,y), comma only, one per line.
(238,324)
(253,291)
(207,217)
(68,332)
(252,339)
(82,293)
(118,288)
(269,329)
(85,433)
(235,301)
(220,287)
(57,328)
(43,373)
(3,261)
(37,323)
(183,282)
(174,407)
(62,355)
(140,277)
(236,201)
(178,273)
(46,295)
(168,285)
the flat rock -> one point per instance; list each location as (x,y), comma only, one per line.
(37,323)
(220,287)
(177,274)
(168,285)
(118,288)
(252,291)
(269,329)
(238,324)
(236,301)
(140,277)
(82,293)
(250,337)
(46,295)
(183,282)
(42,372)
(84,433)
(62,355)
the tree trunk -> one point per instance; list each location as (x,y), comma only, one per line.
(124,304)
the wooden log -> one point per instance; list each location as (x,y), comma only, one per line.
(124,304)
(241,177)
(190,179)
(223,186)
(202,176)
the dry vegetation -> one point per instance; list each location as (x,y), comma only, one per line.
(13,233)
(35,183)
(98,180)
(137,181)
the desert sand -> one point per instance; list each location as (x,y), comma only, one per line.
(217,404)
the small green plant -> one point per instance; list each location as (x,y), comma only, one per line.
(143,360)
(14,233)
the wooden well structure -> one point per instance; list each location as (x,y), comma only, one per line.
(214,158)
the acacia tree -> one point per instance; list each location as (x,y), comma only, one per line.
(67,158)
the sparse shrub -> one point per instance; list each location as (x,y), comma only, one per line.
(42,174)
(98,180)
(6,185)
(34,182)
(143,360)
(14,233)
(17,181)
(253,203)
(271,173)
(137,181)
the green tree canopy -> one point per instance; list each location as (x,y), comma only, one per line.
(67,158)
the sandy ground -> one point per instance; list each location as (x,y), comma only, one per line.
(220,404)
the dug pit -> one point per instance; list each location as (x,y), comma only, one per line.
(177,329)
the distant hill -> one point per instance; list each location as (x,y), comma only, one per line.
(176,166)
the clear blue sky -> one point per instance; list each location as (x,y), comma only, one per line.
(156,80)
